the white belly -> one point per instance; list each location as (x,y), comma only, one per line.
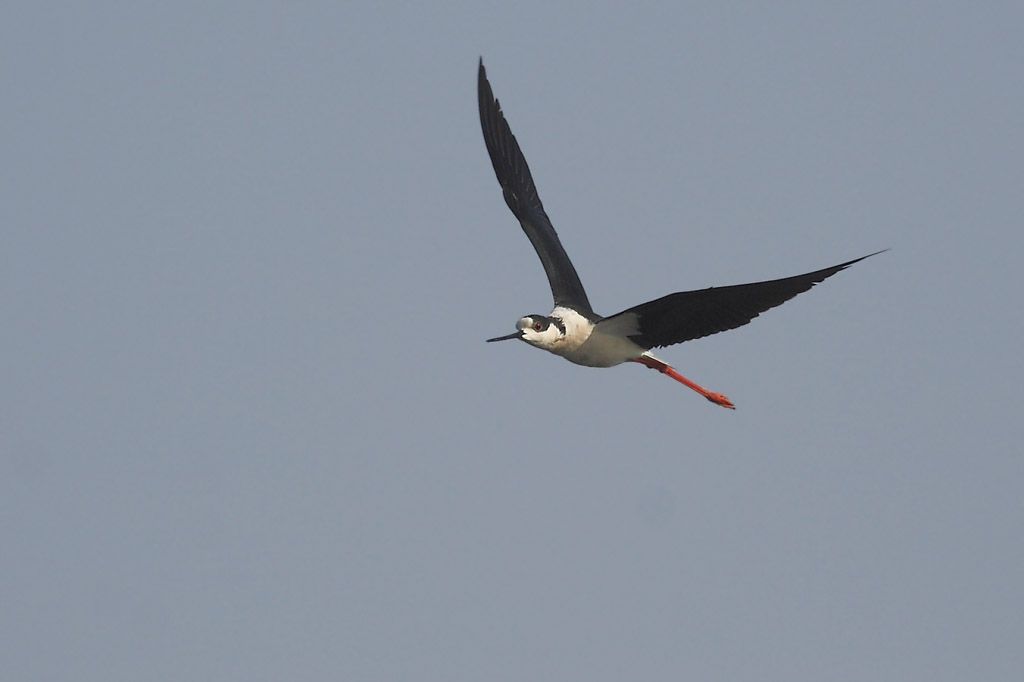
(604,350)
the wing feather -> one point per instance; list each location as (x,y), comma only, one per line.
(521,196)
(689,315)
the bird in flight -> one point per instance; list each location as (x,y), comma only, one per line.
(573,330)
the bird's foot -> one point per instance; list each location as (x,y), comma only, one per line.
(719,399)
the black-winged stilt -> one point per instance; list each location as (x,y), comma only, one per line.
(573,330)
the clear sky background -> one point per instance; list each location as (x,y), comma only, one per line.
(250,429)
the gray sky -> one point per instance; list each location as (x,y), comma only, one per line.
(250,429)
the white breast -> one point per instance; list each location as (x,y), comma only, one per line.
(601,345)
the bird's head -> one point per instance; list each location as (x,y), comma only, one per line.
(537,330)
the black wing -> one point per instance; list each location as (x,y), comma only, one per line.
(693,314)
(521,196)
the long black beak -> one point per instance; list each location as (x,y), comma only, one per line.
(517,335)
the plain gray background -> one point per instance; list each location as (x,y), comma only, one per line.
(250,429)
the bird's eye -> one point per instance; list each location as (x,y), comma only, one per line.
(537,326)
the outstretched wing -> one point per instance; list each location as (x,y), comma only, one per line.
(693,314)
(521,196)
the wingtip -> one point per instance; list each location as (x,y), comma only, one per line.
(857,260)
(482,85)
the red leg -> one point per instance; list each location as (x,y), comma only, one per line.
(654,363)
